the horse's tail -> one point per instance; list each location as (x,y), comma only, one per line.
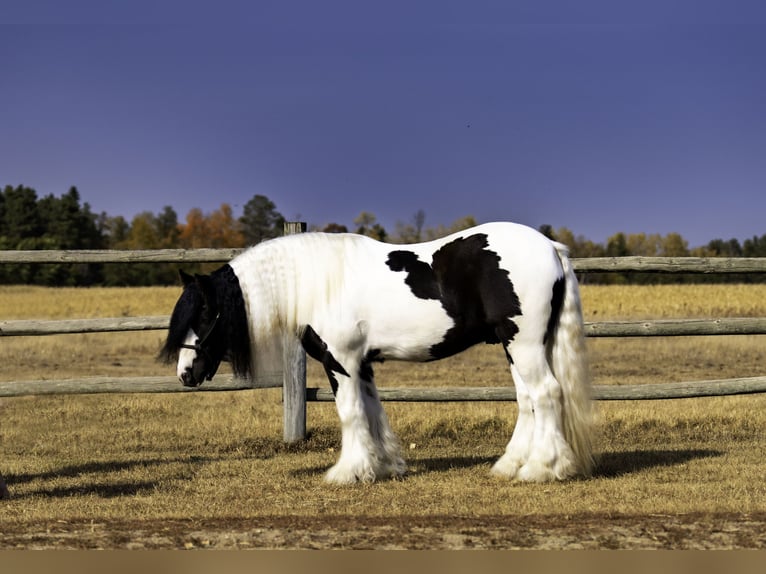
(569,361)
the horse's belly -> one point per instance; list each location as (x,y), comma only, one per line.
(410,334)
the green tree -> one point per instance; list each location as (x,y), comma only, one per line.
(114,230)
(457,225)
(721,248)
(335,228)
(49,223)
(366,224)
(69,224)
(547,230)
(617,245)
(754,247)
(261,220)
(168,229)
(21,217)
(410,232)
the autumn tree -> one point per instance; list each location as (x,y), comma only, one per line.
(219,229)
(643,244)
(194,232)
(146,231)
(143,232)
(223,229)
(673,245)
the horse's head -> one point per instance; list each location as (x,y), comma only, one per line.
(196,337)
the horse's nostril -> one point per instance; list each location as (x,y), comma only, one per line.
(186,378)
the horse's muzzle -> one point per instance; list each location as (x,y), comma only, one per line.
(187,379)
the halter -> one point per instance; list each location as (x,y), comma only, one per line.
(198,345)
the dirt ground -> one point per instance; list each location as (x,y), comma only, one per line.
(729,531)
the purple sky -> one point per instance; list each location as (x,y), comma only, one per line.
(599,116)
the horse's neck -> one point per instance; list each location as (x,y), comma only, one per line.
(278,279)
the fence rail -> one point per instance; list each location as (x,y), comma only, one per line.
(706,265)
(292,379)
(127,385)
(644,328)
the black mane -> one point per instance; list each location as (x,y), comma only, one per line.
(215,294)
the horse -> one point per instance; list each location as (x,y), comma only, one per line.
(353,301)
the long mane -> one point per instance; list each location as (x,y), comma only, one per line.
(187,308)
(285,282)
(234,318)
(222,291)
(288,278)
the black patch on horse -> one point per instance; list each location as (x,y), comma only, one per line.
(466,277)
(317,349)
(420,276)
(366,372)
(557,301)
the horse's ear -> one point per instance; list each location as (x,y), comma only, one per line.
(185,277)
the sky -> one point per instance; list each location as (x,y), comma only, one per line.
(599,116)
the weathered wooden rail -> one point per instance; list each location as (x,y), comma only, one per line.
(674,265)
(643,328)
(293,377)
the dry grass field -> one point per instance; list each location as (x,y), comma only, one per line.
(210,469)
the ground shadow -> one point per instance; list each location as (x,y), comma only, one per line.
(98,486)
(608,465)
(111,490)
(97,467)
(415,466)
(614,464)
(446,464)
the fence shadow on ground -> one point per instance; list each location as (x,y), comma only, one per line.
(615,464)
(99,486)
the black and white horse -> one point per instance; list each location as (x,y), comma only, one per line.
(353,301)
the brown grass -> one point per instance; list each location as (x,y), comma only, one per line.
(145,459)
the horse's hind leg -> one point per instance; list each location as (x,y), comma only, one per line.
(517,450)
(549,456)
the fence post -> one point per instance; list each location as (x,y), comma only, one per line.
(294,374)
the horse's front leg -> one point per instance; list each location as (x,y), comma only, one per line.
(369,449)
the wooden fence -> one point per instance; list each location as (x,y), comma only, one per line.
(293,377)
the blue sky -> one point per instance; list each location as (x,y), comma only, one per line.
(599,116)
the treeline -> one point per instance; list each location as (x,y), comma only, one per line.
(656,245)
(28,222)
